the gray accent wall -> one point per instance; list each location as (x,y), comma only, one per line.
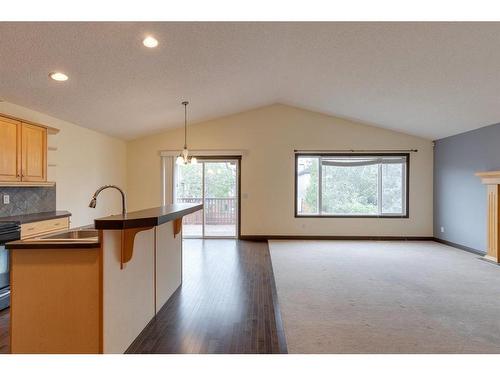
(27,200)
(459,196)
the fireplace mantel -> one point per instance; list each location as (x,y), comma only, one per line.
(492,180)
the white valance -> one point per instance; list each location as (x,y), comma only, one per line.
(350,161)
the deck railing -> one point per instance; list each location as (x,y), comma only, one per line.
(218,211)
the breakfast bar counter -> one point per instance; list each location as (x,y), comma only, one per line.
(67,298)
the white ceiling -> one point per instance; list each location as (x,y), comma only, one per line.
(427,79)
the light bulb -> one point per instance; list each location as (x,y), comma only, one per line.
(150,42)
(179,160)
(58,76)
(193,160)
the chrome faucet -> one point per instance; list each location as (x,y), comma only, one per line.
(93,202)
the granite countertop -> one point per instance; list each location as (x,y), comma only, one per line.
(40,216)
(147,218)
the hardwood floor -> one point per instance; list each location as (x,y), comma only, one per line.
(4,331)
(227,303)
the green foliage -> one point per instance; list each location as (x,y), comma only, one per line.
(220,180)
(352,190)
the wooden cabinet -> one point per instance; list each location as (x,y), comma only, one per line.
(44,227)
(33,153)
(23,151)
(10,151)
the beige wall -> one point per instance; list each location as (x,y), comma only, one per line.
(85,160)
(269,135)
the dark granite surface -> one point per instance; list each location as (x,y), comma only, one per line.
(27,200)
(39,216)
(147,218)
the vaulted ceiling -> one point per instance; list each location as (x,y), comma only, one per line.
(426,79)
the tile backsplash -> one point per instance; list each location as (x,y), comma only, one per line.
(27,200)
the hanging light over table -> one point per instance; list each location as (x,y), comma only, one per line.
(184,158)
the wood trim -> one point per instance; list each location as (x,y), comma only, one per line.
(177,226)
(51,130)
(460,247)
(267,237)
(489,177)
(27,183)
(360,238)
(493,222)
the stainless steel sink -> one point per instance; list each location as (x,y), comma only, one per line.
(75,235)
(83,235)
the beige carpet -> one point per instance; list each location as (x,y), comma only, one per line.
(386,297)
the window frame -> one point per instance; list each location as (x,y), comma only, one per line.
(406,195)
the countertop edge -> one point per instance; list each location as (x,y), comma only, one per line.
(27,245)
(39,216)
(119,222)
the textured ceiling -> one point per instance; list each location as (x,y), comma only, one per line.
(427,79)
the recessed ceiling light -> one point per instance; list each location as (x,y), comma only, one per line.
(58,76)
(150,42)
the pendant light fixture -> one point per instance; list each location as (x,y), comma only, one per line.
(184,158)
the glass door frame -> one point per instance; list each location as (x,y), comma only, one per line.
(207,159)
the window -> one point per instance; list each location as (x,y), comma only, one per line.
(354,185)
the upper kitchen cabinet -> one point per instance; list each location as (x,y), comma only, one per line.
(33,153)
(10,150)
(23,152)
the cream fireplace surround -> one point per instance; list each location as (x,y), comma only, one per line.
(492,180)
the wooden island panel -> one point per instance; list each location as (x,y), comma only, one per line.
(55,304)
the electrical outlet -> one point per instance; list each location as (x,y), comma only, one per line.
(6,199)
(442,229)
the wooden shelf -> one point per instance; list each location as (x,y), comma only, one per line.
(26,184)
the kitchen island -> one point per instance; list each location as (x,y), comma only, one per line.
(95,291)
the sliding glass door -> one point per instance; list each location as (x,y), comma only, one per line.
(213,182)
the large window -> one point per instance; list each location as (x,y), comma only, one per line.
(352,185)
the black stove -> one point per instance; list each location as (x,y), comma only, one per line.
(9,231)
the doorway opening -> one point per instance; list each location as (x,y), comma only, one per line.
(215,182)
